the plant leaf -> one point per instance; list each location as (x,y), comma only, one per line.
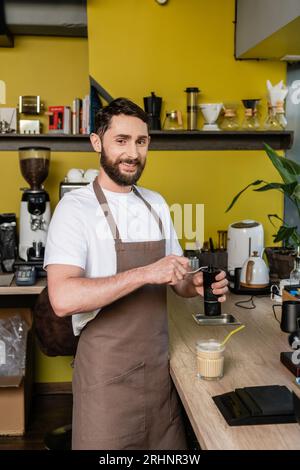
(288,169)
(286,188)
(255,183)
(270,216)
(284,233)
(269,186)
(296,192)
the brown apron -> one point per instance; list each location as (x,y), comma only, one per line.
(124,397)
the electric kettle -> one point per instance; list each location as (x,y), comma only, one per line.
(255,272)
(243,238)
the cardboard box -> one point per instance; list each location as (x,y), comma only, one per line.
(59,119)
(16,391)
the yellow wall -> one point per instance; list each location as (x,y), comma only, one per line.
(57,70)
(135,47)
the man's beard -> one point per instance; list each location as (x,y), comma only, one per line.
(112,169)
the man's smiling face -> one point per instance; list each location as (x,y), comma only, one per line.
(124,149)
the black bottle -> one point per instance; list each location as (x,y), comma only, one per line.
(212,306)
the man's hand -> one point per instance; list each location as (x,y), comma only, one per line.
(168,270)
(219,286)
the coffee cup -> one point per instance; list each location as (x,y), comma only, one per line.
(90,175)
(210,359)
(75,175)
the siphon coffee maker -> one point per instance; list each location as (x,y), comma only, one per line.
(35,205)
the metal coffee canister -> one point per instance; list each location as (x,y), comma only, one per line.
(192,107)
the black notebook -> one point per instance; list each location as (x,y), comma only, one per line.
(271,404)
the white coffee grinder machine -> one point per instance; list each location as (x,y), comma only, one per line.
(35,205)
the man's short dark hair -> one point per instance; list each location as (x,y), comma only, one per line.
(115,108)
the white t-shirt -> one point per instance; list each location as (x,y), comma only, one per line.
(79,233)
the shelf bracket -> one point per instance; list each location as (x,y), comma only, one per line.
(102,92)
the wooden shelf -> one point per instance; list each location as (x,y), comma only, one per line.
(13,289)
(56,142)
(160,140)
(220,140)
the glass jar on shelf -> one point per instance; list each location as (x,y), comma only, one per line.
(173,121)
(250,121)
(229,121)
(280,114)
(271,123)
(295,273)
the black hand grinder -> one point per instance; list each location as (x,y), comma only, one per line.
(212,306)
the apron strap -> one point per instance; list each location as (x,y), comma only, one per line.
(109,217)
(107,212)
(152,211)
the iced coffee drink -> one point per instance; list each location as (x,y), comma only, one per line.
(210,359)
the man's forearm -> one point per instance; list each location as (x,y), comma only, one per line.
(79,294)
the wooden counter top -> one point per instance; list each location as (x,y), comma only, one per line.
(252,358)
(13,289)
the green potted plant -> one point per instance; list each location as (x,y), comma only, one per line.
(280,259)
